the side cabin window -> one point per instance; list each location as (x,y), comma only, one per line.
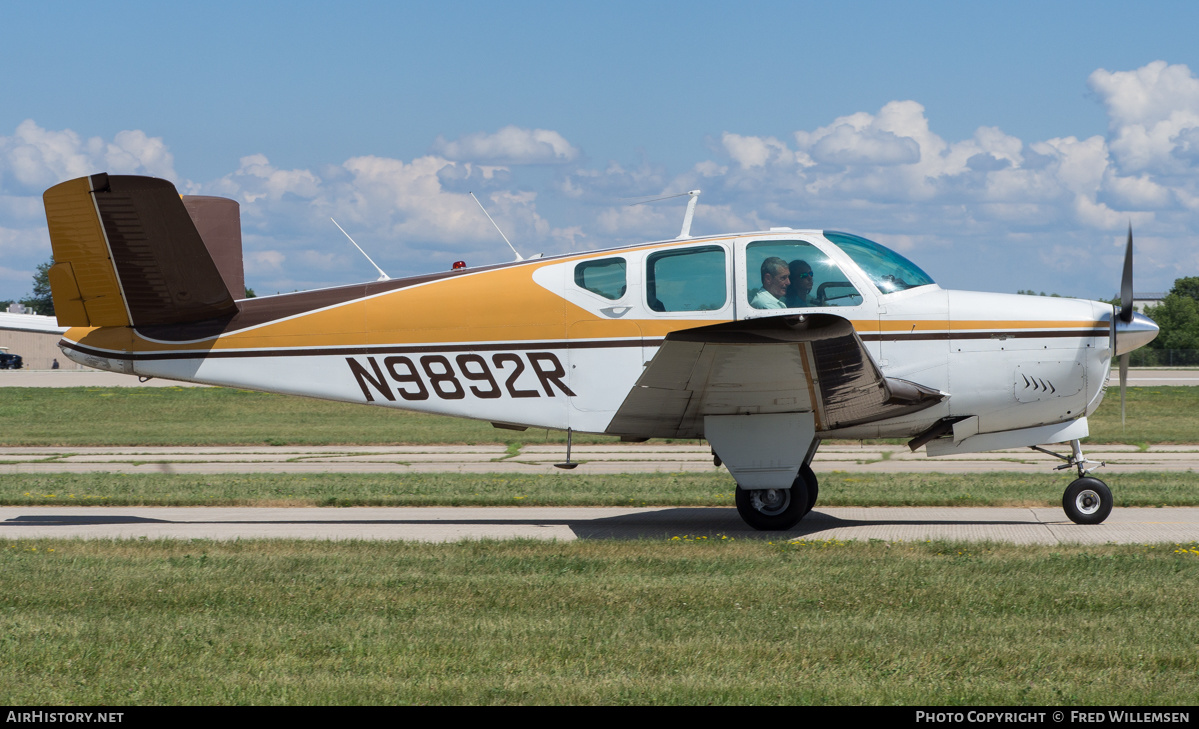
(688,279)
(605,277)
(793,274)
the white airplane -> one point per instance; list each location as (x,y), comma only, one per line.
(764,343)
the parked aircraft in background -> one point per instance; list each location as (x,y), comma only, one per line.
(763,342)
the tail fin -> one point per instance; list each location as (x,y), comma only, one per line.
(127,253)
(218,219)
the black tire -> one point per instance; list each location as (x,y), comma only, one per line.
(1087,501)
(809,478)
(772,510)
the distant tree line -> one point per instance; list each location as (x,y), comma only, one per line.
(41,302)
(1178,316)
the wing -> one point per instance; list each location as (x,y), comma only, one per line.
(786,364)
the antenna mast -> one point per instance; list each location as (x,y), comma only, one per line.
(686,231)
(497,228)
(694,194)
(382,276)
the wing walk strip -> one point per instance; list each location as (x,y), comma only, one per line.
(559,344)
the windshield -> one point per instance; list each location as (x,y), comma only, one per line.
(886,269)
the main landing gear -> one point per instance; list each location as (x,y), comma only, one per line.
(769,456)
(1087,500)
(779,509)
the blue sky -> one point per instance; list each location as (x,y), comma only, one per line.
(1001,146)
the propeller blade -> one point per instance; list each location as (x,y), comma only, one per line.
(1123,385)
(1126,310)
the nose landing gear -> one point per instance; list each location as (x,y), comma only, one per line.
(1087,500)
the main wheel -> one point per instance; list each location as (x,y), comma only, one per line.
(809,478)
(769,510)
(1087,501)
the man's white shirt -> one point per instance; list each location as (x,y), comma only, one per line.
(766,300)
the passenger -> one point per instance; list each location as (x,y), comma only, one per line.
(799,291)
(775,279)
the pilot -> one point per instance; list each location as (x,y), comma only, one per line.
(799,291)
(776,276)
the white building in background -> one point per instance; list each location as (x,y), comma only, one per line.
(35,338)
(1142,300)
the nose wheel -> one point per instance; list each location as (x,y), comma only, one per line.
(1087,501)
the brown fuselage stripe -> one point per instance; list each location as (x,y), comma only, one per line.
(999,336)
(523,346)
(368,350)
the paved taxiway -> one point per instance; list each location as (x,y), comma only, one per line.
(1045,525)
(594,459)
(1039,525)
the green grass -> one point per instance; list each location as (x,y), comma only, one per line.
(113,416)
(689,621)
(639,489)
(1154,415)
(221,416)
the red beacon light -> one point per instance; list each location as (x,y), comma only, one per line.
(459,264)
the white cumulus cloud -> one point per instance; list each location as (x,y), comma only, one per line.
(511,145)
(36,158)
(256,178)
(1153,112)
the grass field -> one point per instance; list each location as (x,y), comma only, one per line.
(693,621)
(222,416)
(566,489)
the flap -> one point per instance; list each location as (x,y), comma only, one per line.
(787,364)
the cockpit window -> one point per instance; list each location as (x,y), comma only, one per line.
(794,274)
(886,269)
(605,277)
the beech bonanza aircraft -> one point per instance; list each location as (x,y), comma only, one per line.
(763,342)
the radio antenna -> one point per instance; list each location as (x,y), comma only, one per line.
(382,276)
(686,230)
(497,228)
